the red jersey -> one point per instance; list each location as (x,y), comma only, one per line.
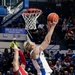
(20,71)
(22,58)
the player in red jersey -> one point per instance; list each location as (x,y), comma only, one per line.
(18,69)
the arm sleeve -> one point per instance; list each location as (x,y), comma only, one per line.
(22,58)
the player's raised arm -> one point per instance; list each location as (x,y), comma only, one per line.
(50,27)
(15,60)
(20,53)
(52,20)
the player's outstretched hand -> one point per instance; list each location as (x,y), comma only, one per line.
(51,24)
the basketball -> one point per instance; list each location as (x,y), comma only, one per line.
(53,17)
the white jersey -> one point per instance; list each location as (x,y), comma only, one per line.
(41,65)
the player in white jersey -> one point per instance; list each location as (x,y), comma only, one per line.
(36,51)
(41,65)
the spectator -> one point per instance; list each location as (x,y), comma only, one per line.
(71,65)
(65,68)
(67,61)
(6,53)
(51,65)
(61,72)
(58,66)
(51,55)
(69,37)
(8,73)
(71,71)
(69,51)
(57,55)
(73,59)
(54,71)
(66,73)
(64,28)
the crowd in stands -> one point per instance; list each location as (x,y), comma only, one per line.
(66,27)
(60,63)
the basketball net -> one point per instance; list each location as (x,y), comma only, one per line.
(30,16)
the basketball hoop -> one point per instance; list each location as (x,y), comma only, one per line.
(30,16)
